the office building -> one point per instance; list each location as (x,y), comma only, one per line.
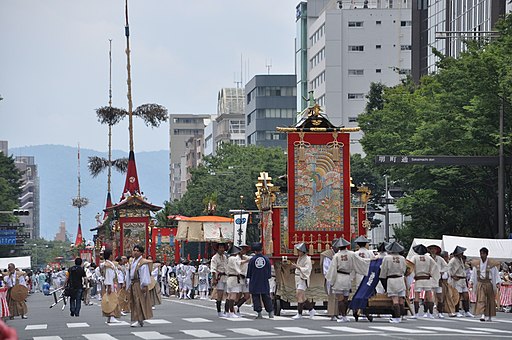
(29,199)
(270,102)
(344,46)
(230,117)
(444,25)
(181,128)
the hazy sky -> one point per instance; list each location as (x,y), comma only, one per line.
(54,65)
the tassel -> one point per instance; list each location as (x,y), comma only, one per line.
(271,247)
(319,243)
(311,249)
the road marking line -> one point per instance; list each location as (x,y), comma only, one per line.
(99,336)
(444,329)
(47,338)
(300,330)
(156,321)
(201,333)
(196,320)
(77,324)
(250,331)
(32,327)
(489,330)
(122,323)
(150,335)
(349,329)
(392,329)
(237,319)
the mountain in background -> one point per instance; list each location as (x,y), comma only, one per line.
(57,168)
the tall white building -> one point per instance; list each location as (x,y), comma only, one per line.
(344,46)
(181,128)
(230,117)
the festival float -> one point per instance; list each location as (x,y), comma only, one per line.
(316,207)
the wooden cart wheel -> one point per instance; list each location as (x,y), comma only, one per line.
(277,307)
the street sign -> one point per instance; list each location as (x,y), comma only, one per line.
(439,160)
(11,225)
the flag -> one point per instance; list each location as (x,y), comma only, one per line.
(240,228)
(79,240)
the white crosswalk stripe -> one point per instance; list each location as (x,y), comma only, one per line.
(77,324)
(391,329)
(300,330)
(33,327)
(151,335)
(444,329)
(250,331)
(47,338)
(99,336)
(237,319)
(122,323)
(201,333)
(196,320)
(491,330)
(349,329)
(157,321)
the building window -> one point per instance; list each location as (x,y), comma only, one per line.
(406,47)
(352,96)
(378,22)
(355,72)
(356,48)
(352,119)
(378,47)
(378,70)
(405,23)
(355,24)
(404,71)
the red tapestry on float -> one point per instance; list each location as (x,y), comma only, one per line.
(318,187)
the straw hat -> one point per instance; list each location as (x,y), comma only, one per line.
(234,250)
(301,247)
(19,293)
(420,249)
(394,247)
(435,247)
(459,250)
(341,242)
(361,239)
(109,303)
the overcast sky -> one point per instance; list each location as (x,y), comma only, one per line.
(54,65)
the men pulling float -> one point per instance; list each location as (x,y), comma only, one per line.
(457,272)
(219,278)
(325,262)
(344,264)
(392,271)
(426,278)
(303,269)
(438,289)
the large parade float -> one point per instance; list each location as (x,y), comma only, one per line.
(319,204)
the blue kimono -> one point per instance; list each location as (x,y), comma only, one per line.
(258,273)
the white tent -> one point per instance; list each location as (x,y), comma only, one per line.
(22,262)
(499,249)
(426,242)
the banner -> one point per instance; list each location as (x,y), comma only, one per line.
(240,228)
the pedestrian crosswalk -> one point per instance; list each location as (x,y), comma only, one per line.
(368,329)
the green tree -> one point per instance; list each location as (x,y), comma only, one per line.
(10,181)
(452,112)
(231,173)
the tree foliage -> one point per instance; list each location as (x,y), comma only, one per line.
(231,173)
(452,112)
(10,181)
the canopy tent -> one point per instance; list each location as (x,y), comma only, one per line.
(499,249)
(205,229)
(426,242)
(21,262)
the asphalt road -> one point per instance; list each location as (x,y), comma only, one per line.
(197,319)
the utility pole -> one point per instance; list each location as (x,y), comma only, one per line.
(386,211)
(501,177)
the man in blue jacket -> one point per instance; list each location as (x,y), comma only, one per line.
(258,273)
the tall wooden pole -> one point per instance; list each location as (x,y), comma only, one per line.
(129,80)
